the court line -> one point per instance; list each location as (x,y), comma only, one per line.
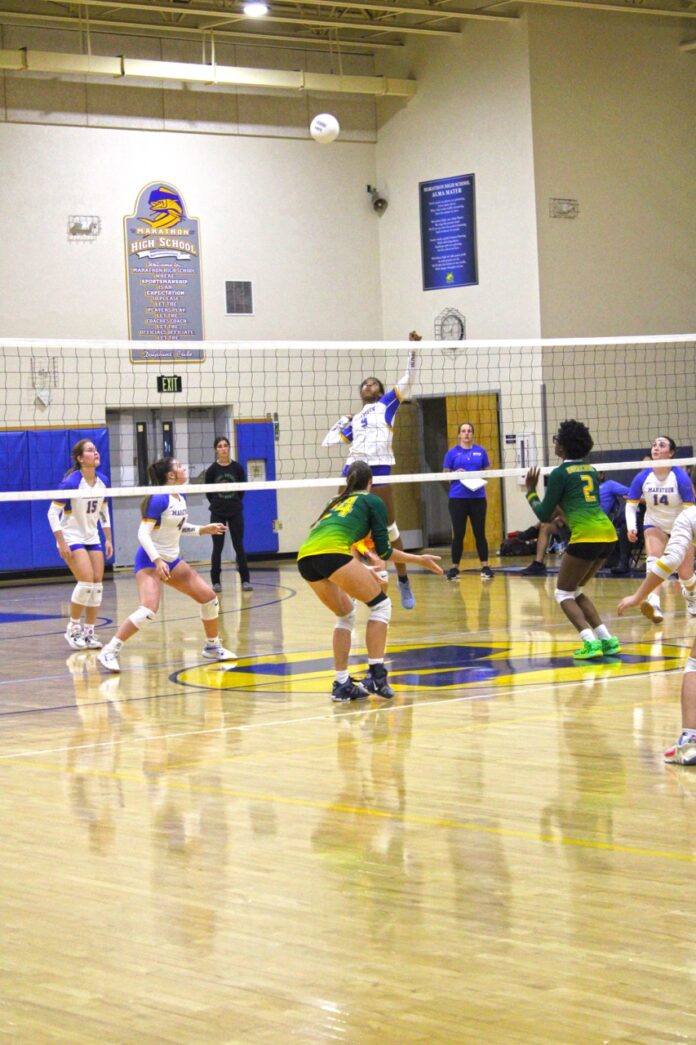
(248,727)
(405,818)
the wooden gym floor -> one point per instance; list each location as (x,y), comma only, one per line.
(218,854)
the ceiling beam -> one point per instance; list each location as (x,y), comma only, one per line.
(192,32)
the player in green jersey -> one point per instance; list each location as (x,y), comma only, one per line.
(337,577)
(574,488)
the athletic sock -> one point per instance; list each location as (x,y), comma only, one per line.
(587,635)
(602,632)
(341,677)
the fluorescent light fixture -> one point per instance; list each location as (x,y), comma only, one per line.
(255,8)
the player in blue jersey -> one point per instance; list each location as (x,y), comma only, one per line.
(157,562)
(666,491)
(75,522)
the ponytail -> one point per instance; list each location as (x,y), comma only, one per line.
(358,477)
(76,454)
(157,474)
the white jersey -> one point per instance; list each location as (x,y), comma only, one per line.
(683,535)
(664,498)
(164,521)
(79,517)
(370,432)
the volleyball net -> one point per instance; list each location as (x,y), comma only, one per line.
(280,399)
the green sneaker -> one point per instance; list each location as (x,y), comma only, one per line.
(611,646)
(590,651)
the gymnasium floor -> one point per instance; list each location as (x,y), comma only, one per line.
(218,854)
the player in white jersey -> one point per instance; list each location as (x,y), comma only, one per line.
(157,561)
(75,522)
(679,547)
(666,492)
(370,433)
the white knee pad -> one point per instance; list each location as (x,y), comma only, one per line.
(346,623)
(381,610)
(210,610)
(82,594)
(393,531)
(561,596)
(650,561)
(97,592)
(141,616)
(690,665)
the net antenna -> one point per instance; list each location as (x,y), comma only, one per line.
(44,378)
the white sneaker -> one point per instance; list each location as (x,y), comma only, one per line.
(651,609)
(91,641)
(690,600)
(108,659)
(74,637)
(218,652)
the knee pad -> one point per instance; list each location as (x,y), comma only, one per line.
(97,592)
(82,594)
(650,561)
(380,608)
(690,664)
(393,531)
(561,596)
(347,622)
(210,610)
(141,616)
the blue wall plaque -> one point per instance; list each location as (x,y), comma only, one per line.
(448,232)
(164,272)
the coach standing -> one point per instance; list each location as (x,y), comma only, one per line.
(227,508)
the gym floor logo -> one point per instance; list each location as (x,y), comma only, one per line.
(439,666)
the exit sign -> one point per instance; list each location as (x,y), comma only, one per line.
(169,383)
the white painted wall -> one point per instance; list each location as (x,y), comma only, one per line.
(289,215)
(471,115)
(614,120)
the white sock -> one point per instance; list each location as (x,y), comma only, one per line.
(375,660)
(114,645)
(690,585)
(212,642)
(602,632)
(341,677)
(75,623)
(587,635)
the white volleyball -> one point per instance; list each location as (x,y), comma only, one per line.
(324,128)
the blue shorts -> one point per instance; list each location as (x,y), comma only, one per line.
(85,547)
(144,562)
(376,469)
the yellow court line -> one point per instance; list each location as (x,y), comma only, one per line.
(405,818)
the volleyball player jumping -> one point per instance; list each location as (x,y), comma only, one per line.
(157,562)
(370,435)
(75,526)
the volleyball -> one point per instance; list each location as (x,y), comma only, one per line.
(324,128)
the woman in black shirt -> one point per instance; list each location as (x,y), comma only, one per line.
(227,508)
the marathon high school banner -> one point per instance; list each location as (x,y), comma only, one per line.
(164,268)
(448,232)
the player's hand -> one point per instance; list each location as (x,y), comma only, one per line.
(531,479)
(64,550)
(431,563)
(162,569)
(632,536)
(108,549)
(627,604)
(214,528)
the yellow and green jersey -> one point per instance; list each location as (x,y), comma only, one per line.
(347,522)
(574,487)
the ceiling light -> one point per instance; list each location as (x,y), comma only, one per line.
(255,8)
